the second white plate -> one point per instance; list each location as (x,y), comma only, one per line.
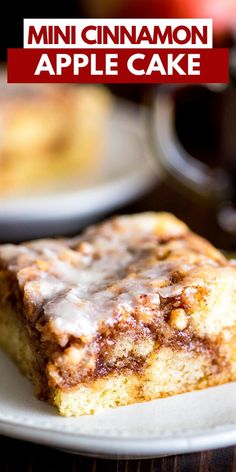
(124,174)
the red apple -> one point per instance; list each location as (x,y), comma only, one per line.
(223,12)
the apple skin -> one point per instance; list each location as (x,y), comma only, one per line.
(223,12)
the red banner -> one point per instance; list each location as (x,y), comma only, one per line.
(118,65)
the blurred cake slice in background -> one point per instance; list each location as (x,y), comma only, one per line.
(49,132)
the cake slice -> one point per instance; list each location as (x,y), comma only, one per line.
(45,134)
(135,308)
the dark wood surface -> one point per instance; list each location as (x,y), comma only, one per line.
(18,456)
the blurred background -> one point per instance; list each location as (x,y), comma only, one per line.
(70,155)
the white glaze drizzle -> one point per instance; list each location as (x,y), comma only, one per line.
(110,270)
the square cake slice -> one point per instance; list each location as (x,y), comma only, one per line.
(135,308)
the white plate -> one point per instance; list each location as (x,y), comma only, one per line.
(184,423)
(124,174)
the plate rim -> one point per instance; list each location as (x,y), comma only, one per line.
(111,446)
(136,447)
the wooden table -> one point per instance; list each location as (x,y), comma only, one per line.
(17,456)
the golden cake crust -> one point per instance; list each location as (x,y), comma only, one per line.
(104,303)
